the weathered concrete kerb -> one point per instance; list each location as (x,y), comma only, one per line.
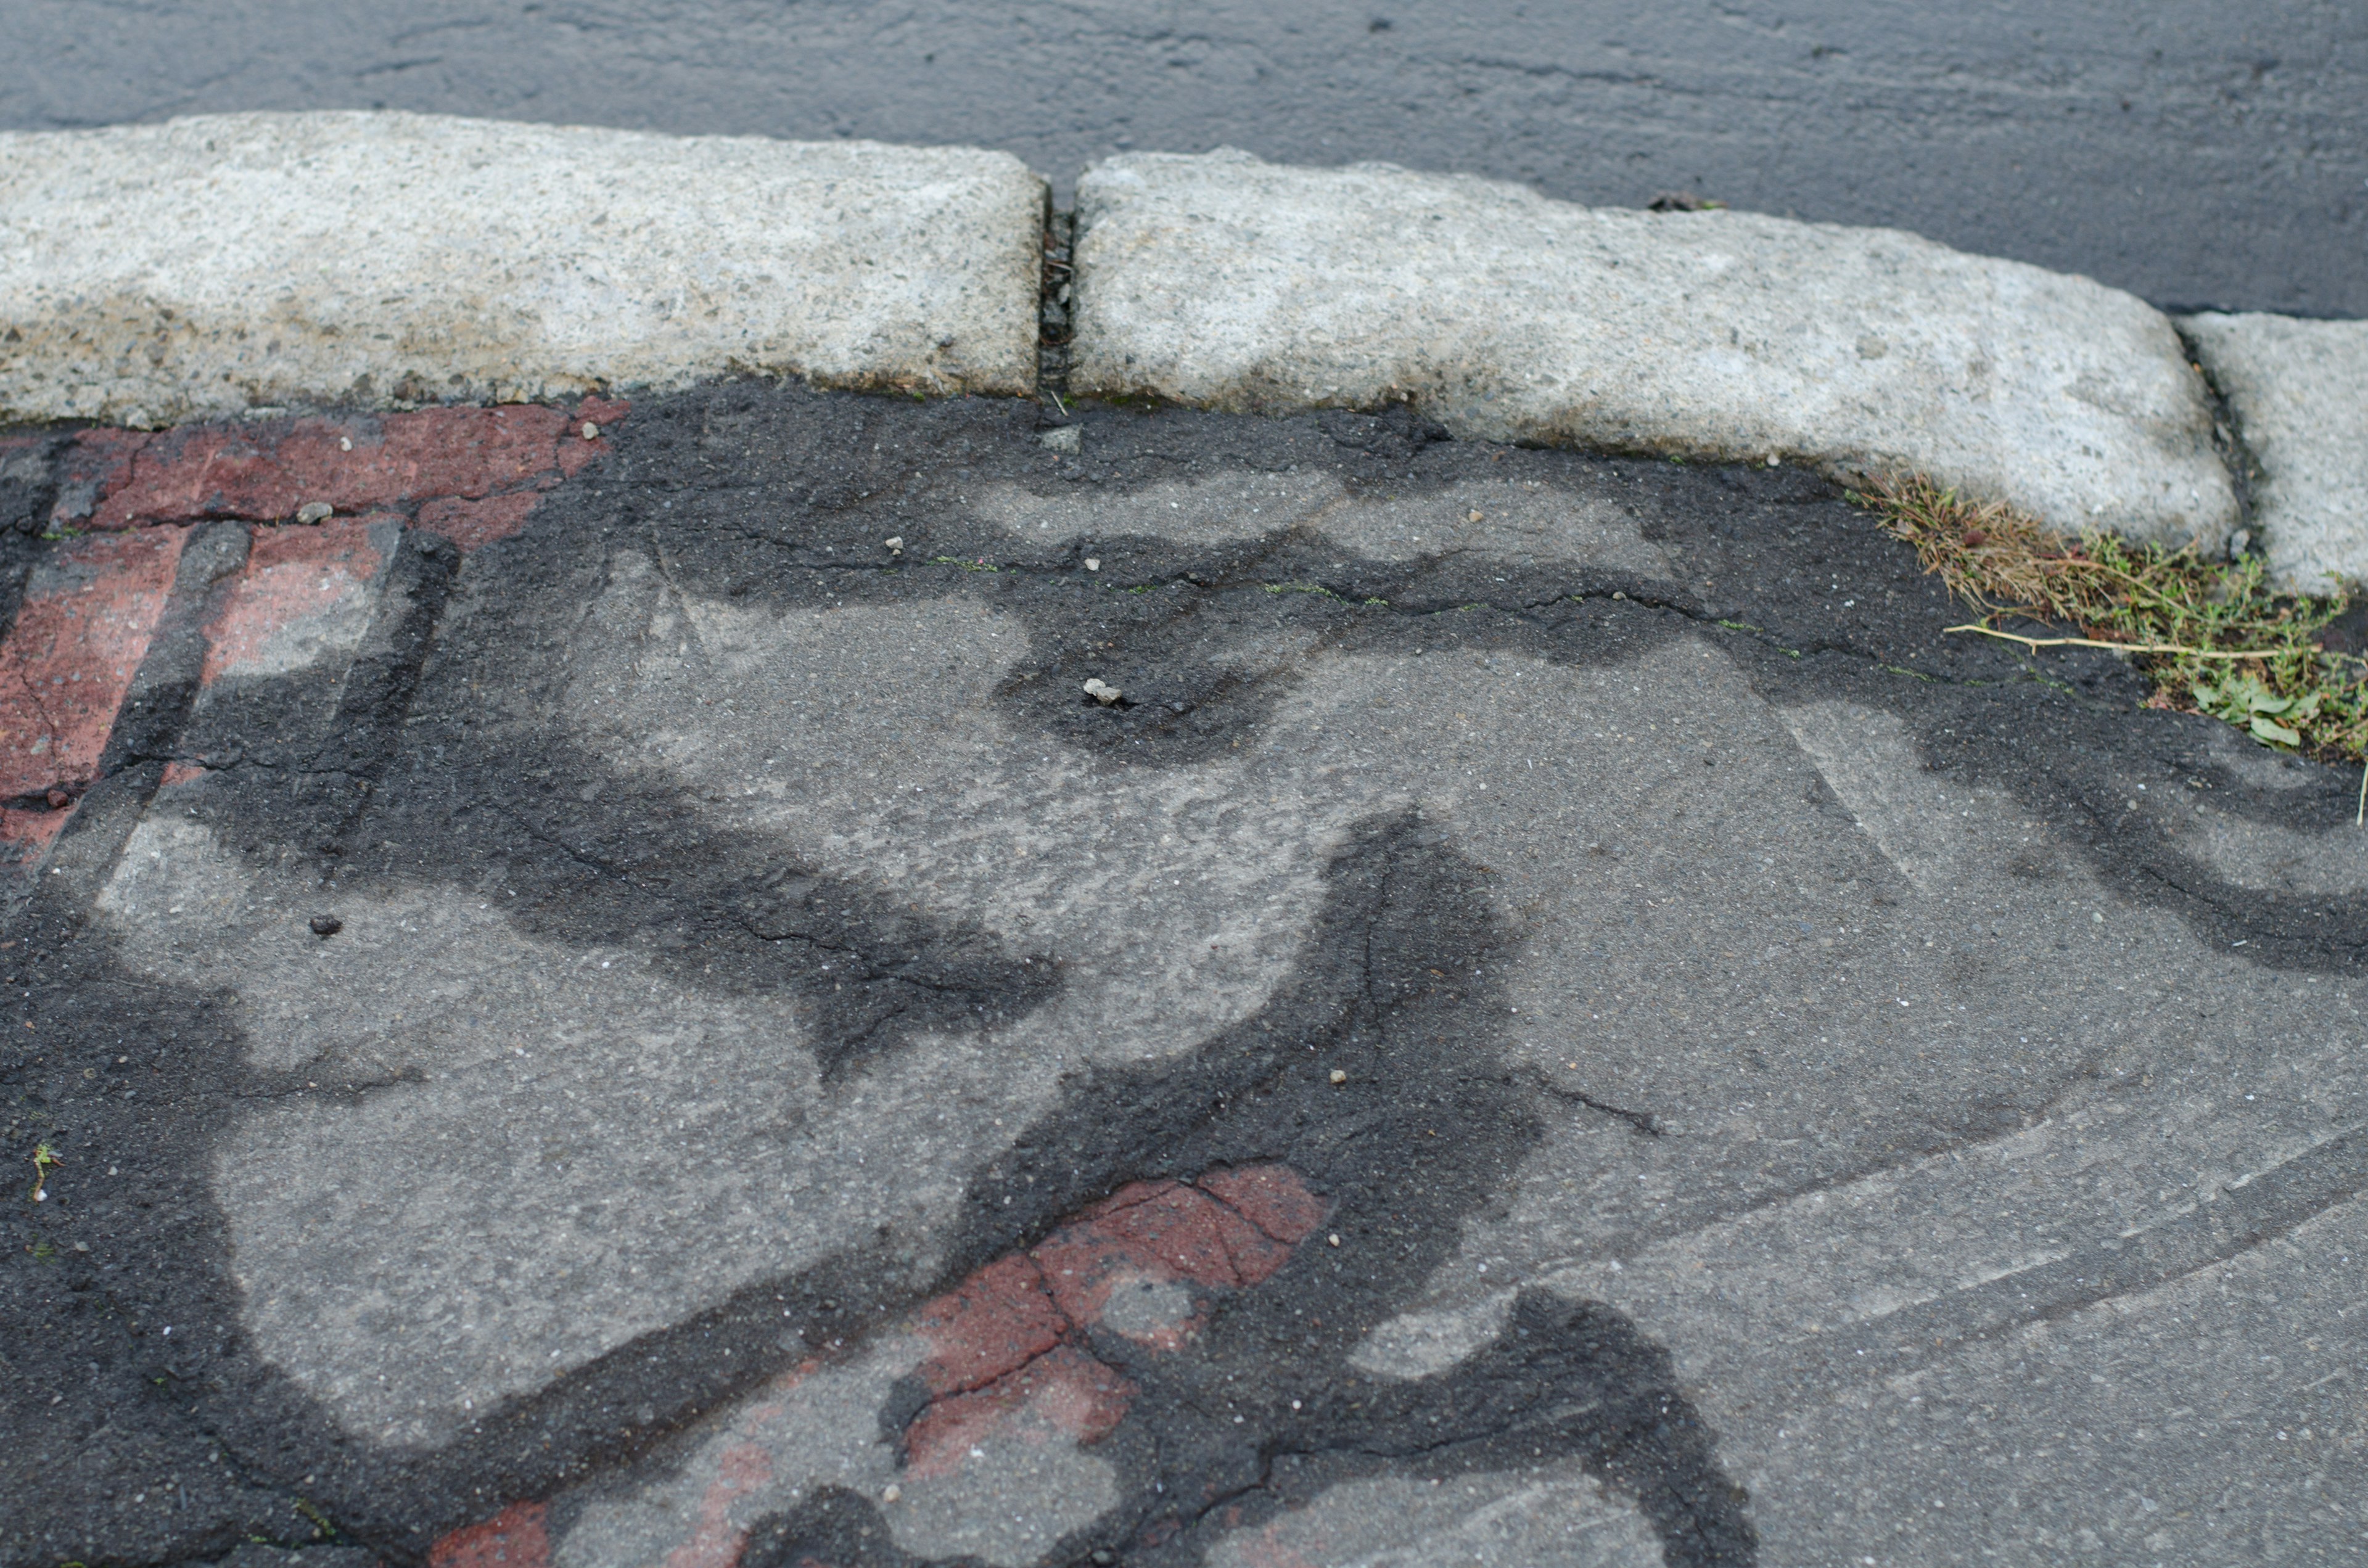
(150,274)
(757,975)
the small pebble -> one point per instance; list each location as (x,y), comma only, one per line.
(893,1492)
(1093,563)
(896,546)
(1338,1076)
(1471,517)
(1100,693)
(1064,440)
(326,924)
(344,443)
(315,512)
(1336,1238)
(591,431)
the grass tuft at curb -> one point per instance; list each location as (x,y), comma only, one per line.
(2212,636)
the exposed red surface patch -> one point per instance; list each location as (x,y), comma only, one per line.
(292,575)
(1004,1346)
(716,1541)
(993,1323)
(518,1537)
(480,467)
(1062,1394)
(1272,1198)
(26,834)
(182,772)
(1154,1231)
(79,637)
(472,525)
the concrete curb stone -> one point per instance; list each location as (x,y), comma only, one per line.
(235,264)
(1224,281)
(151,274)
(2299,391)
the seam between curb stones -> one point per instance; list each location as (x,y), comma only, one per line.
(2228,442)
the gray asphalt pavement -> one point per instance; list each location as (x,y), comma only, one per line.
(1540,1010)
(2198,154)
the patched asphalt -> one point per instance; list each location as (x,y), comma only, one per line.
(618,1001)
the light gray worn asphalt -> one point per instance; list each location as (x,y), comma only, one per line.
(2198,154)
(622,1047)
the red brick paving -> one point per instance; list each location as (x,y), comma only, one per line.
(471,474)
(1006,1354)
(1065,1389)
(68,661)
(993,1323)
(291,572)
(518,1537)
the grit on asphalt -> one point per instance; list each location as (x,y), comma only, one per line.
(1540,1010)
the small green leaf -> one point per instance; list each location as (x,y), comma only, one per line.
(2264,703)
(2263,729)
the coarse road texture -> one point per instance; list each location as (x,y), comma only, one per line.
(2198,154)
(619,1003)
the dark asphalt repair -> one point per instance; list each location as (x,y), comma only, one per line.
(2199,156)
(444,740)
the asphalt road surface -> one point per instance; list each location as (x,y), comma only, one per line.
(2200,155)
(1540,1010)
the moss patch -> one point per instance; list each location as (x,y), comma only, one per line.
(2212,636)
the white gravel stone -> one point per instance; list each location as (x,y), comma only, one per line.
(152,273)
(1224,281)
(2299,392)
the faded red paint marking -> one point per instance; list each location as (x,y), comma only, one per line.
(472,525)
(182,773)
(479,468)
(993,1323)
(518,1537)
(1062,1394)
(716,1541)
(65,665)
(292,575)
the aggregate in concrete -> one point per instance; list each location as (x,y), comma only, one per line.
(1221,281)
(1554,1016)
(2298,393)
(226,262)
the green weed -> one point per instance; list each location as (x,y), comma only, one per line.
(2211,636)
